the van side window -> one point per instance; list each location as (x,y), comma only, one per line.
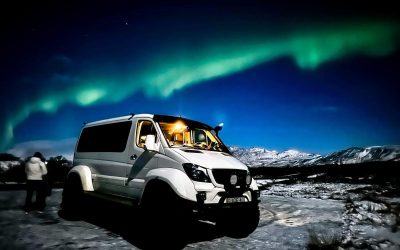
(105,138)
(143,129)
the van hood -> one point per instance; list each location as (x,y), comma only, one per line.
(210,159)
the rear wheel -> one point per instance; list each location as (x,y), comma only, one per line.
(238,223)
(72,205)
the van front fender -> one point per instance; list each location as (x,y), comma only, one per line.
(176,179)
(85,174)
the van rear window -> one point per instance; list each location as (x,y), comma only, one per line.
(105,138)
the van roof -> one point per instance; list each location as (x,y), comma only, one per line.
(151,116)
(120,118)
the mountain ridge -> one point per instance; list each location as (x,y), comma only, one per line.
(261,157)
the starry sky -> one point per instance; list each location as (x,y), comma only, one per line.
(312,77)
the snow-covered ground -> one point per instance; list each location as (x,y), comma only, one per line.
(48,230)
(371,214)
(284,225)
(336,191)
(288,214)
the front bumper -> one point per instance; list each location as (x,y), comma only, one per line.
(214,193)
(210,211)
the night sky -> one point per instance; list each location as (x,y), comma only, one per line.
(317,78)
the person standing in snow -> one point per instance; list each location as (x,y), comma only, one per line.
(35,168)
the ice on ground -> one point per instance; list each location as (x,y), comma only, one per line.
(288,214)
(284,224)
(337,191)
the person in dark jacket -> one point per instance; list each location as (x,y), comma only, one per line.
(35,168)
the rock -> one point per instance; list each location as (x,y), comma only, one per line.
(384,245)
(375,247)
(358,216)
(347,241)
(359,243)
(371,206)
(390,220)
(374,218)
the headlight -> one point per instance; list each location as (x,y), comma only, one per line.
(196,172)
(248,179)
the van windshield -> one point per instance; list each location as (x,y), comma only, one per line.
(184,133)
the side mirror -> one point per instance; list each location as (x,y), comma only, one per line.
(150,143)
(218,127)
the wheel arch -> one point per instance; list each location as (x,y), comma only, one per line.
(175,179)
(85,175)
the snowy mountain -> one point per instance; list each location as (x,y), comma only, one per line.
(259,157)
(8,161)
(7,165)
(360,155)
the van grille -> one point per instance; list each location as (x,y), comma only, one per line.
(222,176)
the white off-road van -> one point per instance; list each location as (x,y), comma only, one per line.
(170,167)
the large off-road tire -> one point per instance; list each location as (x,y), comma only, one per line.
(73,203)
(166,217)
(238,222)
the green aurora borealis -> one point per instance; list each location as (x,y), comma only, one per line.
(172,68)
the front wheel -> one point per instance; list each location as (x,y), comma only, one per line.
(166,216)
(238,223)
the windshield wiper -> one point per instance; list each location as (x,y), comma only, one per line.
(180,146)
(199,146)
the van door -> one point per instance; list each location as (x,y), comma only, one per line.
(141,160)
(104,148)
(111,163)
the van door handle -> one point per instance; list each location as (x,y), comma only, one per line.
(133,157)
